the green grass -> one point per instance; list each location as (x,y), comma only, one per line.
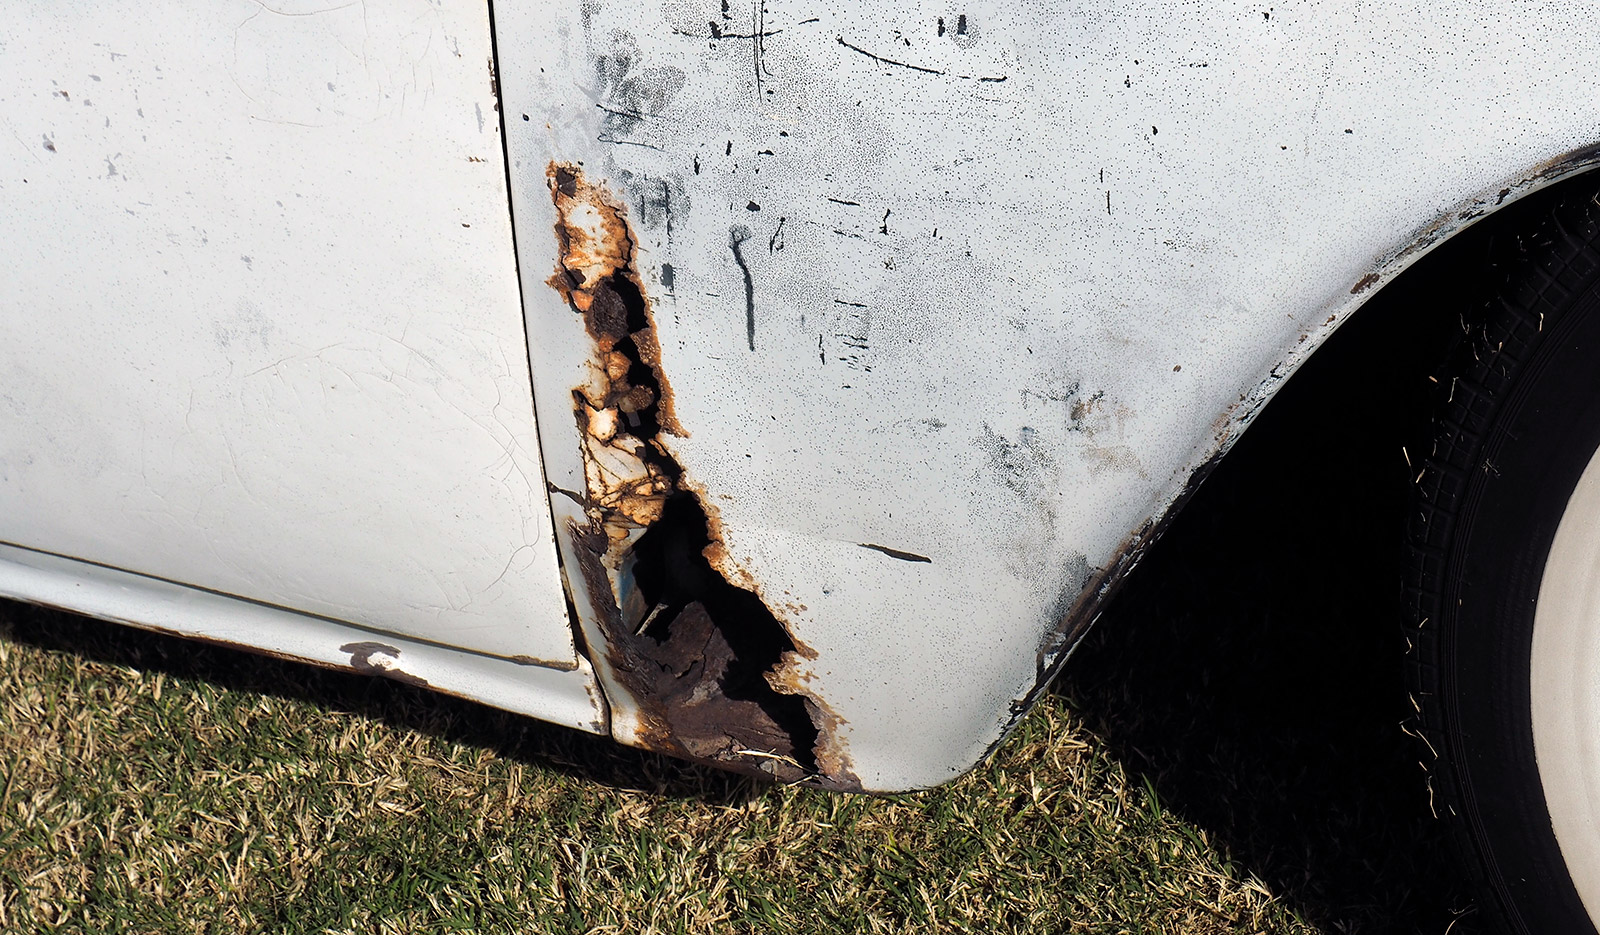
(155,786)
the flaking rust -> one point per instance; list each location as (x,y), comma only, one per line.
(711,673)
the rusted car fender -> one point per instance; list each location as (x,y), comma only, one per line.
(781,387)
(944,311)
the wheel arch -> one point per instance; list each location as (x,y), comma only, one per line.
(1488,206)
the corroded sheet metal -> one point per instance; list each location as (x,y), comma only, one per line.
(955,304)
(696,666)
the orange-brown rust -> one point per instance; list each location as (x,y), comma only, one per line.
(596,254)
(591,547)
(595,274)
(790,678)
(832,759)
(710,671)
(715,552)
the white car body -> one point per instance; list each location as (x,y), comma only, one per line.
(303,335)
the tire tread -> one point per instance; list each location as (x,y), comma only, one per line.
(1533,271)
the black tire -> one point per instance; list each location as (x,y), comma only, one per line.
(1518,423)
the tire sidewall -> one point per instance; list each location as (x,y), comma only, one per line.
(1543,438)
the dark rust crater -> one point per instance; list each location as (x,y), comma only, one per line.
(704,666)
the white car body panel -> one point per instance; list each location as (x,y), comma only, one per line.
(262,330)
(998,324)
(946,310)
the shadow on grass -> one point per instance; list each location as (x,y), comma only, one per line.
(546,746)
(1253,667)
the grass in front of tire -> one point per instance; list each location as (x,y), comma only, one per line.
(153,785)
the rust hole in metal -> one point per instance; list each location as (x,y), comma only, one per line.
(702,659)
(709,646)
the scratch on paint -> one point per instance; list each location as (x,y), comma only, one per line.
(736,240)
(896,553)
(922,68)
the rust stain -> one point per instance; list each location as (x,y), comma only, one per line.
(1364,283)
(1119,458)
(1447,225)
(627,400)
(1560,165)
(711,671)
(790,678)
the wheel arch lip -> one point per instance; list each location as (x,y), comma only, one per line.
(1470,211)
(1083,611)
